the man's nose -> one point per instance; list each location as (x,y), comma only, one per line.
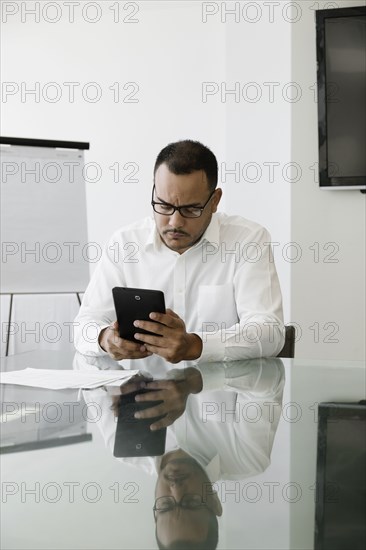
(177,488)
(176,220)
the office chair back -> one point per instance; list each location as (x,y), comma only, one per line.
(288,350)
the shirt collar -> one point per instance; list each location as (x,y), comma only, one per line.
(211,234)
(212,469)
(153,238)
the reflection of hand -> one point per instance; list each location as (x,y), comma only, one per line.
(137,382)
(118,348)
(172,342)
(173,393)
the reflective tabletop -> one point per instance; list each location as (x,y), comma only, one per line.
(239,465)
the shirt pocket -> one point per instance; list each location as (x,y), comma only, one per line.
(216,304)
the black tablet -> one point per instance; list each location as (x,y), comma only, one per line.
(133,304)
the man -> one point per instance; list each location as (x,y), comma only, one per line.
(216,271)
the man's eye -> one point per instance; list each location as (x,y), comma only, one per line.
(165,504)
(192,502)
(165,508)
(191,210)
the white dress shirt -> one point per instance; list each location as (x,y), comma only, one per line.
(225,288)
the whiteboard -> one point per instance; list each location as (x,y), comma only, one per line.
(44,242)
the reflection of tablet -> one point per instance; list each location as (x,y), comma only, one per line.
(135,304)
(133,436)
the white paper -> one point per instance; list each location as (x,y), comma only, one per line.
(54,379)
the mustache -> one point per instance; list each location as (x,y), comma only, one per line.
(176,477)
(166,231)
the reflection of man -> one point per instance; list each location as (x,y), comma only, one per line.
(216,272)
(186,507)
(226,432)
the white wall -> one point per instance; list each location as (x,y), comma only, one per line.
(329,297)
(167,53)
(258,141)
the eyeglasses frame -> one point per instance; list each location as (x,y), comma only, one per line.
(179,505)
(179,208)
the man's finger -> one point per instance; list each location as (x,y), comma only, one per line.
(117,343)
(165,319)
(150,340)
(149,396)
(172,313)
(132,386)
(129,345)
(158,410)
(159,385)
(155,350)
(117,355)
(156,328)
(162,423)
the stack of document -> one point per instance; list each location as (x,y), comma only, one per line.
(66,379)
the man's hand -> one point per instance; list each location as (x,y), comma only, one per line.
(172,341)
(173,393)
(118,348)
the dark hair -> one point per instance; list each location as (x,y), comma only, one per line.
(210,543)
(185,157)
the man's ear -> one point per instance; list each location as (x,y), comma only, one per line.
(216,199)
(217,507)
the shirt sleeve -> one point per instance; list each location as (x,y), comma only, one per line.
(97,309)
(259,331)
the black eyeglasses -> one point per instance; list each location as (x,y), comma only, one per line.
(187,502)
(186,211)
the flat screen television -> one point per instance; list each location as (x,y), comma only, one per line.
(341,82)
(340,508)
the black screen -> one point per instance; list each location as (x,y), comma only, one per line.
(341,477)
(341,83)
(345,39)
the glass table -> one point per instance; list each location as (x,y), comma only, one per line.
(246,444)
